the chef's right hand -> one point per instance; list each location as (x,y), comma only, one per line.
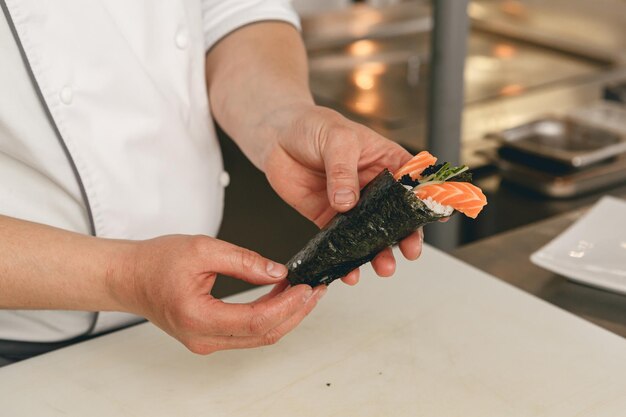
(171,282)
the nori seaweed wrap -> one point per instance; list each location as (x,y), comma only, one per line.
(386,213)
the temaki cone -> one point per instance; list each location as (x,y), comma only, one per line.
(385,214)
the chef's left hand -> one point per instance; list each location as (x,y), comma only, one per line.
(318,161)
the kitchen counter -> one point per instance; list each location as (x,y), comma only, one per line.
(440,339)
(506,256)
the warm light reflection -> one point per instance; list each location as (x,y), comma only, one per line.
(375,68)
(364,80)
(476,11)
(514,8)
(512,90)
(361,23)
(365,76)
(366,102)
(504,51)
(362,48)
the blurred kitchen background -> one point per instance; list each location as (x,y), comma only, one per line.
(543,119)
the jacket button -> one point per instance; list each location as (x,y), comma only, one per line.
(224,179)
(182,39)
(66,95)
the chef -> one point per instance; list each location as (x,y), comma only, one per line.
(111,176)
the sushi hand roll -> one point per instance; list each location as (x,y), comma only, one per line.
(391,207)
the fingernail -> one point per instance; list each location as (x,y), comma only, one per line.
(421,234)
(344,196)
(321,291)
(308,293)
(275,270)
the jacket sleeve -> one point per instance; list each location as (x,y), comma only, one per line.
(220,17)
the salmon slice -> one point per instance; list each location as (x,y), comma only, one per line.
(462,196)
(416,165)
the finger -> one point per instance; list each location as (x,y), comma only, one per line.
(278,288)
(341,156)
(257,318)
(411,246)
(245,264)
(272,336)
(292,322)
(384,263)
(352,278)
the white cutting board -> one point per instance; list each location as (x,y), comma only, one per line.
(440,339)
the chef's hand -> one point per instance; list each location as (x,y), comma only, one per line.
(314,158)
(171,286)
(318,162)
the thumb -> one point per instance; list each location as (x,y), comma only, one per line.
(341,157)
(246,265)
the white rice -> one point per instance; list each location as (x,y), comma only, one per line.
(439,209)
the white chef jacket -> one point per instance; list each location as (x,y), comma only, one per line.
(105,125)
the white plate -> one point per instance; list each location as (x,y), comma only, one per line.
(592,250)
